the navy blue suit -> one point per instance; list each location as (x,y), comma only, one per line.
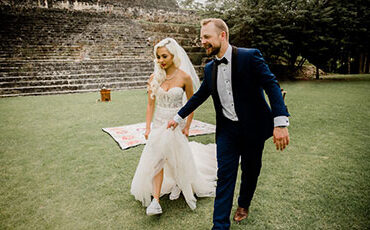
(243,138)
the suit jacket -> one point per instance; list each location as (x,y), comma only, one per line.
(250,77)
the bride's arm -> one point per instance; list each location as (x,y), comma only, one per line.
(149,110)
(189,92)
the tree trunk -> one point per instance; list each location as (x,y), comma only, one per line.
(349,65)
(292,60)
(366,64)
(301,62)
(50,3)
(361,64)
(317,73)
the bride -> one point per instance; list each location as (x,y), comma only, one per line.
(169,163)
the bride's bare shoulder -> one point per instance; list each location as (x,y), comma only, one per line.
(151,78)
(184,76)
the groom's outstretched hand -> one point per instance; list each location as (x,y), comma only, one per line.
(172,124)
(281,137)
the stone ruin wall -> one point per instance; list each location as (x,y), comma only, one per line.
(149,4)
(84,47)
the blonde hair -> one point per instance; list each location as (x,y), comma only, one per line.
(219,23)
(159,73)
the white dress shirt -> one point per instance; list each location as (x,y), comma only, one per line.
(224,88)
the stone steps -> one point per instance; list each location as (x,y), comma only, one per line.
(72,35)
(71,81)
(69,88)
(21,61)
(65,46)
(180,28)
(53,51)
(21,66)
(95,49)
(20,93)
(42,77)
(175,35)
(68,76)
(19,71)
(76,57)
(129,46)
(58,74)
(93,52)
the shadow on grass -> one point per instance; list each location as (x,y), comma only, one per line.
(333,78)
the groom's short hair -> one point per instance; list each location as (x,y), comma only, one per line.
(219,23)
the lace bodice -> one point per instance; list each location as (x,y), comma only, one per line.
(168,103)
(171,98)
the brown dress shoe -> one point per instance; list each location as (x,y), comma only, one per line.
(240,214)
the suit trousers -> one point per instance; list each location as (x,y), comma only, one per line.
(232,146)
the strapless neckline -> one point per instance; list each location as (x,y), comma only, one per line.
(171,89)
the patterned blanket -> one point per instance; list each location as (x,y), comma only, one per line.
(132,135)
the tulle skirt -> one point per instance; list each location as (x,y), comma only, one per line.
(191,166)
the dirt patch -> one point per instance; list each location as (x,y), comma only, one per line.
(284,72)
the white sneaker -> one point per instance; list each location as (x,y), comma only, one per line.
(175,193)
(154,208)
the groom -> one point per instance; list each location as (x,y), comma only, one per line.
(237,79)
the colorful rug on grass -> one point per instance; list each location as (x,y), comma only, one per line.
(132,135)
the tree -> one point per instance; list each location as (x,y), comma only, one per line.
(330,34)
(319,42)
(354,23)
(270,25)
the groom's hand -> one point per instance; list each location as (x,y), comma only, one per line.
(172,124)
(281,137)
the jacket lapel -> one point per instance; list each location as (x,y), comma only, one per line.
(216,97)
(214,78)
(234,74)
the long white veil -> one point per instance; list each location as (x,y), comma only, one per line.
(181,60)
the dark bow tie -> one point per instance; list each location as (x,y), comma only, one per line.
(222,60)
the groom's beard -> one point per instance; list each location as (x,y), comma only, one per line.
(214,50)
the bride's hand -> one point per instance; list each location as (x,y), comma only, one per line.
(172,124)
(185,131)
(147,131)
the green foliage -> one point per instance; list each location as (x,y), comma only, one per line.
(326,32)
(189,4)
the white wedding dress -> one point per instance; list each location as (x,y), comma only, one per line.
(191,166)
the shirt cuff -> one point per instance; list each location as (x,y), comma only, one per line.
(281,121)
(178,119)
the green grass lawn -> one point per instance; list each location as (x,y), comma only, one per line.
(59,170)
